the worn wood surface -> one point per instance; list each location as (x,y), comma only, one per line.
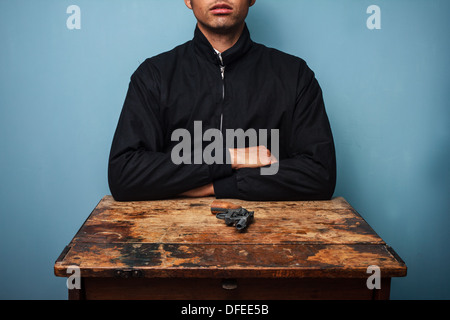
(182,238)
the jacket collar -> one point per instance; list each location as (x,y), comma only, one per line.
(205,49)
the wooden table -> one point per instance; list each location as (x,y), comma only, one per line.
(177,249)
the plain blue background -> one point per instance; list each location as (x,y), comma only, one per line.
(386,93)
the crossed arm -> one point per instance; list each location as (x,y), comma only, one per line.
(252,157)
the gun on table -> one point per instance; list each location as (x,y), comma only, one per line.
(232,214)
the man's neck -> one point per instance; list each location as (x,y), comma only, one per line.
(222,41)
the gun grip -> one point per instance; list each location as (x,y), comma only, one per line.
(219,206)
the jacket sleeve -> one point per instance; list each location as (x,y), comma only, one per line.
(139,168)
(309,172)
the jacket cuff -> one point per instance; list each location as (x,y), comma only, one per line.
(226,188)
(218,171)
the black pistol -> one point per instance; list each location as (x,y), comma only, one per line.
(232,214)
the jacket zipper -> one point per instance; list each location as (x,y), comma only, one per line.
(222,72)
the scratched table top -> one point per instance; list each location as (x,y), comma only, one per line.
(182,238)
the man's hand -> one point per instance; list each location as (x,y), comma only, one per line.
(204,191)
(253,157)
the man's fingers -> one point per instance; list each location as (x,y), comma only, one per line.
(273,159)
(252,157)
(204,191)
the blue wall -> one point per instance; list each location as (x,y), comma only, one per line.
(386,93)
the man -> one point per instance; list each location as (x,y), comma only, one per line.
(223,80)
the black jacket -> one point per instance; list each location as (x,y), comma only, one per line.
(262,88)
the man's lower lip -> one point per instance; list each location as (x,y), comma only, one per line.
(221,11)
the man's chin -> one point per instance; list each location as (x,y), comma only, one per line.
(224,28)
